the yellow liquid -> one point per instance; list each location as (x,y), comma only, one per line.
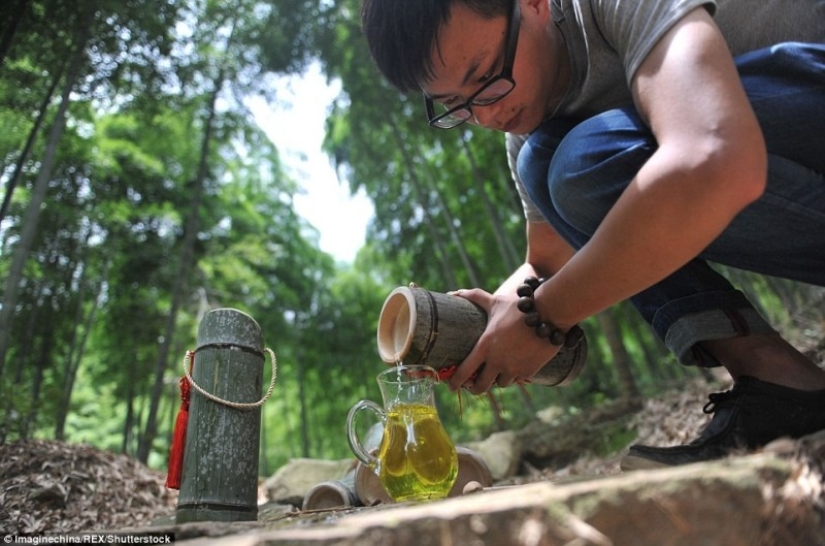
(416,460)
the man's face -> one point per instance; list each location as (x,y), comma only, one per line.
(470,50)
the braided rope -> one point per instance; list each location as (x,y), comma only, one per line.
(236,405)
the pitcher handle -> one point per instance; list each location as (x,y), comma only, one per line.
(352,435)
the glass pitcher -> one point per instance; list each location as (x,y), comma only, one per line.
(416,459)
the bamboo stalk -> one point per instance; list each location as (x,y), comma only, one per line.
(220,465)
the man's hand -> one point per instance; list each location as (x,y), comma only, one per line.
(508,351)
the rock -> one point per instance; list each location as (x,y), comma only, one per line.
(502,453)
(550,415)
(292,481)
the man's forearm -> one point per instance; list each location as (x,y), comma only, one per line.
(515,279)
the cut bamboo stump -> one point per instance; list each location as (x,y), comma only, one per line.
(418,326)
(220,465)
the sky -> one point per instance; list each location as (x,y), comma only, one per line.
(296,125)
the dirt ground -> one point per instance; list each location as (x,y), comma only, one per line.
(57,487)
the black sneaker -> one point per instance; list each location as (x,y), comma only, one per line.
(750,415)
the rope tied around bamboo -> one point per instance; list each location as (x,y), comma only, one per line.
(187,370)
(187,382)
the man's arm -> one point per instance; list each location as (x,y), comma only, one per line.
(710,164)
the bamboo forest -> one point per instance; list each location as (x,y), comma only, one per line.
(139,191)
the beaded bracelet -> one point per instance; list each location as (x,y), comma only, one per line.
(527,305)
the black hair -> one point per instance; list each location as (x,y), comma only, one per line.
(401,35)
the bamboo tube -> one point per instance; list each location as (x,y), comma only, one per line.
(332,494)
(418,326)
(220,465)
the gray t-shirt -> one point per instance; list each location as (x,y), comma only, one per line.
(607,41)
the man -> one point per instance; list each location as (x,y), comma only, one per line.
(663,133)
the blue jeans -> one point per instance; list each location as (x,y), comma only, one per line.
(575,171)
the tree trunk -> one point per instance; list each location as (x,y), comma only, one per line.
(621,359)
(447,269)
(41,364)
(75,355)
(448,220)
(179,289)
(26,338)
(455,237)
(129,421)
(302,405)
(656,355)
(11,14)
(41,184)
(508,253)
(27,148)
(70,365)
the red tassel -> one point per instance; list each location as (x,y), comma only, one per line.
(176,450)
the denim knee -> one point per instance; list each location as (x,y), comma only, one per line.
(593,165)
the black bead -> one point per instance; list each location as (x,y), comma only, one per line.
(544,330)
(556,337)
(532,319)
(525,304)
(524,290)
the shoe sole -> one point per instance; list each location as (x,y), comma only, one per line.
(630,463)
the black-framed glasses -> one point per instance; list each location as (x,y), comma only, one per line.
(493,91)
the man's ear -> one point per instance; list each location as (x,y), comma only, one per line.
(535,8)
